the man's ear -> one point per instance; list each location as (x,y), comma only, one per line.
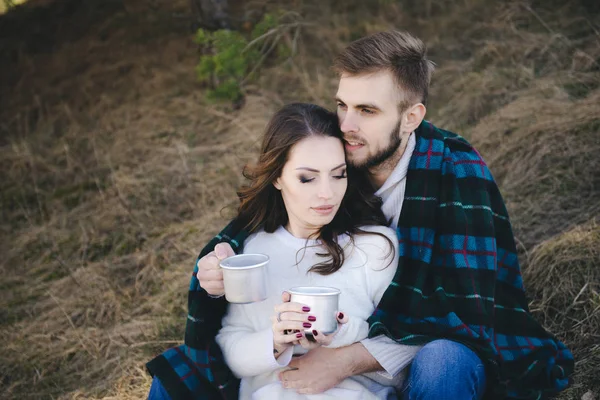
(277,184)
(413,117)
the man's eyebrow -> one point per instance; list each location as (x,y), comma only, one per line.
(316,170)
(368,105)
(364,105)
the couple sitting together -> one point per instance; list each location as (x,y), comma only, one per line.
(401,216)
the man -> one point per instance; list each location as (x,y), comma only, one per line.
(458,290)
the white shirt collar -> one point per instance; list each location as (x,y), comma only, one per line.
(399,173)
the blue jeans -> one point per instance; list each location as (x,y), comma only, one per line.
(444,369)
(157,391)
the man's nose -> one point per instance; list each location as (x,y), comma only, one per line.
(347,123)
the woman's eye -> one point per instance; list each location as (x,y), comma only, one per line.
(367,111)
(304,179)
(341,176)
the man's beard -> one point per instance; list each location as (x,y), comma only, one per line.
(383,155)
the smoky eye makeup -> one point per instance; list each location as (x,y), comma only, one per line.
(305,179)
(341,175)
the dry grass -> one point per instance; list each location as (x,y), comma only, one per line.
(114,170)
(535,120)
(541,145)
(564,280)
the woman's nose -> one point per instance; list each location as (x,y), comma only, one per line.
(325,190)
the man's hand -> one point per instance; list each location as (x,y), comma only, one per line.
(209,273)
(322,368)
(315,372)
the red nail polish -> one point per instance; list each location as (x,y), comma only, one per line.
(312,318)
(306,309)
(315,333)
(341,315)
(298,335)
(307,325)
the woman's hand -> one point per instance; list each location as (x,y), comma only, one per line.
(321,339)
(289,322)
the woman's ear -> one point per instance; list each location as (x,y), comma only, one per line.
(277,184)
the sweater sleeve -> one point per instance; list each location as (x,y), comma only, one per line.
(355,330)
(393,357)
(248,352)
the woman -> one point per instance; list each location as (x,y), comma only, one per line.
(317,231)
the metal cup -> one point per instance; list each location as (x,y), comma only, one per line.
(323,303)
(245,278)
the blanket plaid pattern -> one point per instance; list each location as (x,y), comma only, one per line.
(458,278)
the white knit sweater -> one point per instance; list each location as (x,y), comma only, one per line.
(246,337)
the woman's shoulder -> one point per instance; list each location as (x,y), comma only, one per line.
(261,238)
(375,238)
(374,230)
(377,246)
(256,237)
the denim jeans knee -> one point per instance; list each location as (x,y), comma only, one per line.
(444,369)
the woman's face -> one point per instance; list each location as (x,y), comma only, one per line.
(313,183)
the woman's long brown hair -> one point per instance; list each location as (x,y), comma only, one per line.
(261,204)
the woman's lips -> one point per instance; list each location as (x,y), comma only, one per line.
(323,210)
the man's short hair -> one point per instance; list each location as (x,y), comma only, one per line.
(398,52)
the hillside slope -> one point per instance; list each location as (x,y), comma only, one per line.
(114,169)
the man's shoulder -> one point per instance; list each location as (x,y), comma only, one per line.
(451,141)
(445,151)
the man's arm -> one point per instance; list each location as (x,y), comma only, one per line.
(358,359)
(203,322)
(323,368)
(393,357)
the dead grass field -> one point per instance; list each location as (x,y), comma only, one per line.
(114,170)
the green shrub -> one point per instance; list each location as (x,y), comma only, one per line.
(229,59)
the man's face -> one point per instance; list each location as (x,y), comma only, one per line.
(367,108)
